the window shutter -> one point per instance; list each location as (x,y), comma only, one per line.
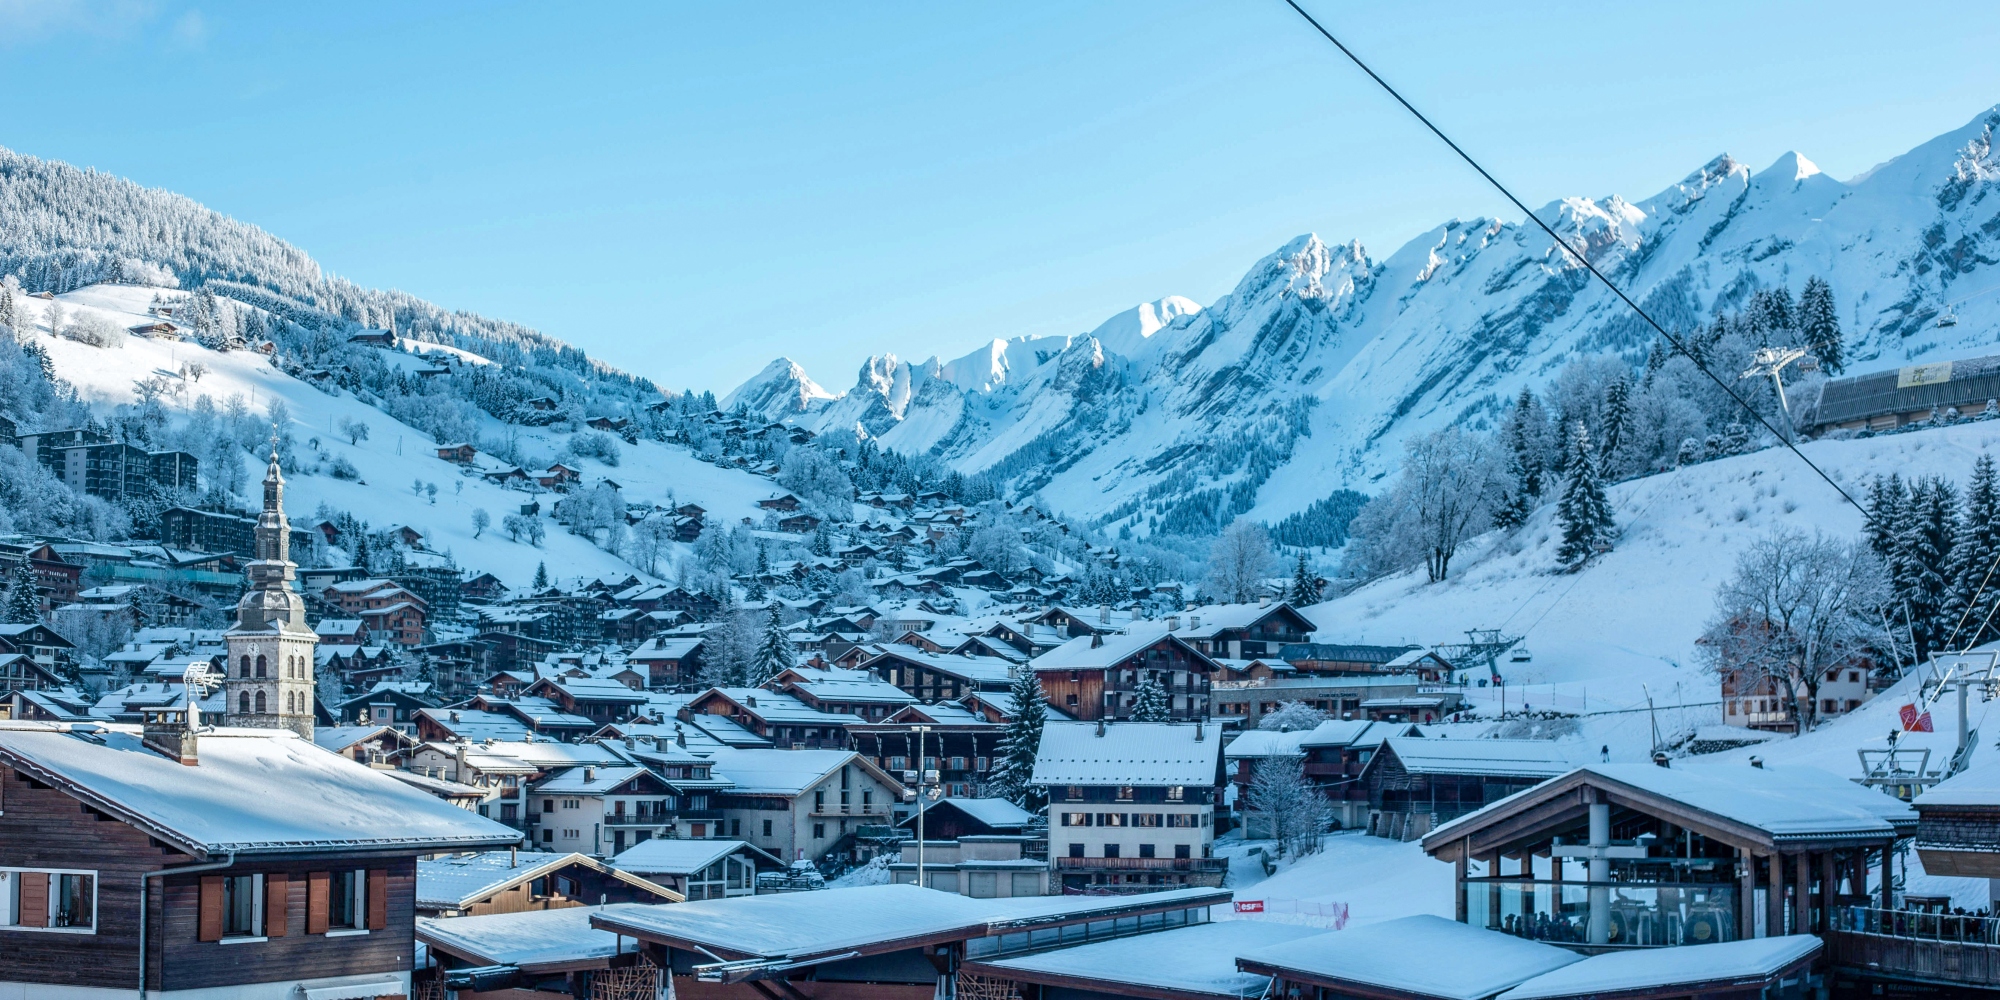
(34,902)
(378,899)
(318,886)
(275,908)
(208,926)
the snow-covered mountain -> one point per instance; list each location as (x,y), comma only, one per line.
(1307,376)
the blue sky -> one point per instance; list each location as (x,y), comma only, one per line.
(690,191)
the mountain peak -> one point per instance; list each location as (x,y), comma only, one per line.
(1792,166)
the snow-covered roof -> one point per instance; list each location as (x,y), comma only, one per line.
(1127,753)
(1512,758)
(1724,965)
(996,813)
(338,738)
(874,690)
(775,706)
(473,724)
(832,921)
(672,856)
(1267,743)
(1978,785)
(254,791)
(588,780)
(1354,732)
(977,669)
(1193,960)
(548,754)
(455,881)
(1788,802)
(534,938)
(1096,652)
(665,648)
(777,772)
(1466,963)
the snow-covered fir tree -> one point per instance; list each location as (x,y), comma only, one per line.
(1522,436)
(1305,584)
(1819,326)
(775,653)
(1584,512)
(23,605)
(1975,560)
(1149,700)
(541,576)
(1021,741)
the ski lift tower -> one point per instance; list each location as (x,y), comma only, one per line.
(1772,361)
(1965,673)
(1483,644)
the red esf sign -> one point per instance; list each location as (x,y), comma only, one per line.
(1249,906)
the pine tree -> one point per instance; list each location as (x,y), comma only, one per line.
(1524,462)
(1149,701)
(775,653)
(1305,586)
(541,576)
(1924,549)
(1887,499)
(1021,742)
(1617,416)
(1975,552)
(24,606)
(1819,326)
(1584,513)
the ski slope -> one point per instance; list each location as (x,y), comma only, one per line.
(395,455)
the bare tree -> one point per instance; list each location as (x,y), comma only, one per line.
(1239,561)
(1798,606)
(1444,495)
(1291,803)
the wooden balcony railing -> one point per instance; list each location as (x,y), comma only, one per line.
(1907,944)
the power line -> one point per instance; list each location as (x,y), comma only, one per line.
(1580,258)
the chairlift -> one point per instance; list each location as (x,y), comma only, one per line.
(1519,654)
(1947,318)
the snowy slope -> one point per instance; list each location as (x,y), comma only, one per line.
(395,454)
(1329,356)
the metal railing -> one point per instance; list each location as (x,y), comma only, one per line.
(1145,864)
(1920,925)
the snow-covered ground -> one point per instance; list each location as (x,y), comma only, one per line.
(395,454)
(1376,879)
(1606,638)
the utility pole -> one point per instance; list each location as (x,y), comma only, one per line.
(926,788)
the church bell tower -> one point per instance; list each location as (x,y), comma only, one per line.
(269,680)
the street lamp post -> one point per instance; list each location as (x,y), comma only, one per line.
(926,787)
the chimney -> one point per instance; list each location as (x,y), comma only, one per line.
(589,774)
(1264,601)
(454,715)
(1194,621)
(1173,622)
(1197,731)
(631,743)
(1104,614)
(1100,727)
(751,701)
(1757,762)
(463,771)
(1096,640)
(165,730)
(514,856)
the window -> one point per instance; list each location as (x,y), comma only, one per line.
(260,665)
(1148,819)
(1183,851)
(242,896)
(1076,793)
(1076,850)
(347,900)
(261,706)
(548,836)
(510,813)
(736,828)
(243,703)
(1186,820)
(767,828)
(1176,793)
(1111,850)
(819,831)
(548,805)
(1075,819)
(819,801)
(1145,850)
(1110,819)
(48,900)
(1124,793)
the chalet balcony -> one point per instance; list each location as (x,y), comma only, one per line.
(1929,947)
(1637,914)
(856,809)
(1143,864)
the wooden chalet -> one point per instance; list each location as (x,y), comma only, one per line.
(963,746)
(1097,676)
(457,452)
(1415,783)
(233,863)
(932,677)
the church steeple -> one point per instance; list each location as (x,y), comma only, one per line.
(269,679)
